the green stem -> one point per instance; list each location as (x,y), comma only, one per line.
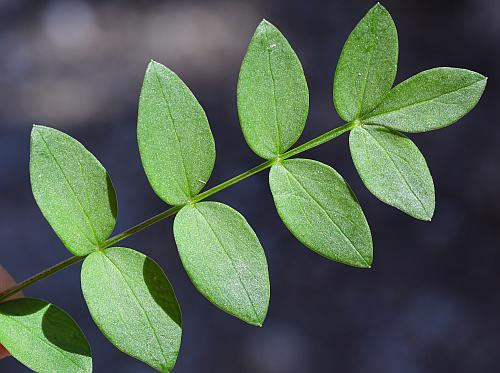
(327,136)
(139,227)
(40,276)
(330,135)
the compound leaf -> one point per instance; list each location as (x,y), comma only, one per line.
(273,99)
(176,145)
(367,65)
(430,100)
(321,211)
(224,259)
(393,169)
(72,189)
(43,337)
(134,305)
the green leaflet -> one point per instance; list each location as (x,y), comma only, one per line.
(430,100)
(72,189)
(367,65)
(321,211)
(393,169)
(273,99)
(43,337)
(134,305)
(224,259)
(176,145)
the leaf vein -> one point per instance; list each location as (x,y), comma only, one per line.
(369,118)
(141,308)
(273,81)
(399,171)
(231,261)
(328,215)
(89,221)
(33,332)
(167,105)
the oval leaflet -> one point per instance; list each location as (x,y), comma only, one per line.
(273,98)
(72,189)
(224,259)
(175,142)
(134,305)
(393,169)
(430,100)
(321,211)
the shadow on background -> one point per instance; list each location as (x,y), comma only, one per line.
(430,303)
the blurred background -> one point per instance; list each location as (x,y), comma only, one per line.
(431,302)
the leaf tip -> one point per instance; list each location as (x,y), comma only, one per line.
(485,80)
(155,65)
(426,216)
(379,6)
(152,63)
(380,9)
(37,128)
(365,262)
(258,323)
(264,24)
(429,213)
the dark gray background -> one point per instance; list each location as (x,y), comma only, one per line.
(431,301)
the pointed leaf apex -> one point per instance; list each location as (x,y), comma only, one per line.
(156,65)
(37,127)
(427,218)
(153,63)
(264,23)
(34,128)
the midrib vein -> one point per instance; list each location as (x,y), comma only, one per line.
(328,215)
(141,308)
(169,112)
(231,261)
(89,221)
(273,82)
(374,114)
(368,69)
(397,168)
